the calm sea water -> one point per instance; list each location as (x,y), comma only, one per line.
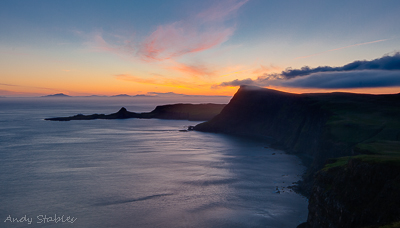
(135,172)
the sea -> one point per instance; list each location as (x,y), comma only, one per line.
(141,173)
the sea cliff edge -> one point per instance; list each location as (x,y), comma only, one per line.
(349,142)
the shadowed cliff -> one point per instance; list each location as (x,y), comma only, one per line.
(293,122)
(321,128)
(361,192)
(195,112)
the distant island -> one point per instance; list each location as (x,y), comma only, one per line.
(121,95)
(350,143)
(137,95)
(57,95)
(194,112)
(147,95)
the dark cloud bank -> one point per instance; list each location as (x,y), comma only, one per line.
(381,72)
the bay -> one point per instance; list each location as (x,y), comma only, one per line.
(136,172)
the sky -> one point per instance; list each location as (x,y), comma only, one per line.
(97,47)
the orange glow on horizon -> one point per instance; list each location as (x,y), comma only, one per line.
(381,90)
(131,85)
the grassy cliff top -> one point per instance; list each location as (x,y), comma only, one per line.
(378,152)
(369,124)
(361,118)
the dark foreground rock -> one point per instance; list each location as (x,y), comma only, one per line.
(358,194)
(195,112)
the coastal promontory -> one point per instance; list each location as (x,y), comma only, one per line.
(349,142)
(195,112)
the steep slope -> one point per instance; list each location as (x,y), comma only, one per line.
(359,194)
(290,120)
(319,128)
(293,122)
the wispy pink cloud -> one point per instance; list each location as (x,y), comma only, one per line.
(206,30)
(180,38)
(195,70)
(159,80)
(264,69)
(202,31)
(154,80)
(131,78)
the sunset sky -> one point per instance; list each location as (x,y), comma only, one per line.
(208,47)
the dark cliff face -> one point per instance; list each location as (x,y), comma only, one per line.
(358,194)
(317,126)
(293,122)
(290,120)
(325,126)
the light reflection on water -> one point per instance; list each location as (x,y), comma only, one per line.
(141,173)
